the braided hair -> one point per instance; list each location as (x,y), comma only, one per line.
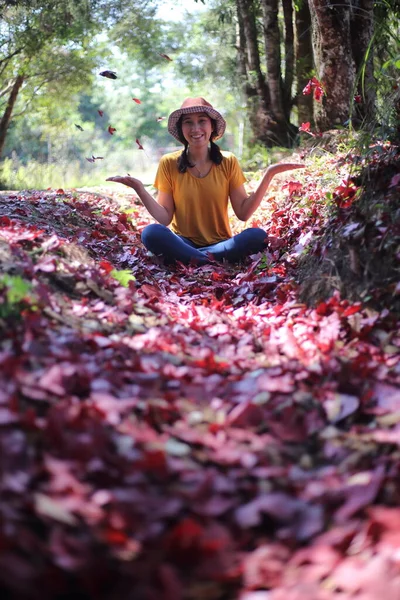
(183,160)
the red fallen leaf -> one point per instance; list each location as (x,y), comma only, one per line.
(150,291)
(387,397)
(357,99)
(115,536)
(139,144)
(101,113)
(165,56)
(395,181)
(111,129)
(292,186)
(339,406)
(305,126)
(351,310)
(60,191)
(302,519)
(385,523)
(185,535)
(108,267)
(137,100)
(361,492)
(265,566)
(344,194)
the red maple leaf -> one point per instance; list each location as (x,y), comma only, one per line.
(305,126)
(101,113)
(137,100)
(344,195)
(111,130)
(104,264)
(316,85)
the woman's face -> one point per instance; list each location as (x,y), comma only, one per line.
(197,129)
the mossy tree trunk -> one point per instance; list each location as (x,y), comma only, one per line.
(265,93)
(6,118)
(333,60)
(304,62)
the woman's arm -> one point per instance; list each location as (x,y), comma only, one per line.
(162,209)
(243,204)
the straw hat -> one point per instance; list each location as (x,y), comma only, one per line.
(196,105)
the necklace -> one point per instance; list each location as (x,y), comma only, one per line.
(198,170)
(200,174)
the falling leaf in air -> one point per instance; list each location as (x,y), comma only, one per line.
(160,119)
(79,127)
(91,160)
(101,113)
(111,130)
(137,100)
(139,144)
(165,56)
(97,157)
(109,74)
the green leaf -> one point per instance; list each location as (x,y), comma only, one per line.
(123,277)
(17,288)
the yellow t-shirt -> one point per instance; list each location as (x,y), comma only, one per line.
(201,205)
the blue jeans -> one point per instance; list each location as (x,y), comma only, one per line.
(163,242)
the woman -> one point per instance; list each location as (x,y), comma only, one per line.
(194,187)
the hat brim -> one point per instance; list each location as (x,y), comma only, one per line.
(220,123)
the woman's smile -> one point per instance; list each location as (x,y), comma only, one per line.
(196,128)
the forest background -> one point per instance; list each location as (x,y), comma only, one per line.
(252,60)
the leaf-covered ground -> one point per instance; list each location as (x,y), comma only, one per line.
(193,433)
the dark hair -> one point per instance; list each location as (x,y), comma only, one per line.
(183,161)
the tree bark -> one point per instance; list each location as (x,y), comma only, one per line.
(289,56)
(5,121)
(304,62)
(361,30)
(333,60)
(268,127)
(272,43)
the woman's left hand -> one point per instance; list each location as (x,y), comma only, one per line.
(282,167)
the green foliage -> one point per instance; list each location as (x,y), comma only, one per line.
(16,294)
(123,277)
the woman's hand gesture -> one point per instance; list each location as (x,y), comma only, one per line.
(127,180)
(282,167)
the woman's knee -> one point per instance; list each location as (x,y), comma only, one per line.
(256,235)
(153,232)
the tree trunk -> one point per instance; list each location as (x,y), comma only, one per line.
(267,127)
(333,60)
(362,29)
(259,102)
(5,121)
(289,57)
(304,62)
(272,43)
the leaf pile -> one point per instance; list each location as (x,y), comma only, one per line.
(357,250)
(189,433)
